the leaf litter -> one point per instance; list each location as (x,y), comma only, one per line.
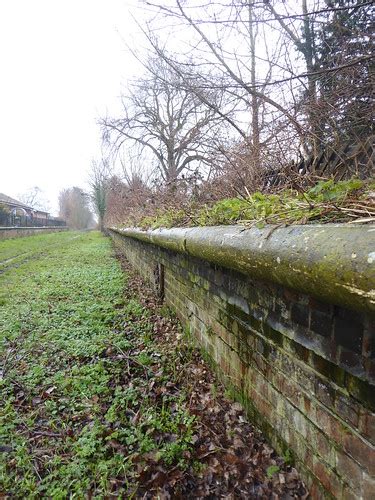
(229,458)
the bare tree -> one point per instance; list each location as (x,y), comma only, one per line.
(35,198)
(98,181)
(268,57)
(230,55)
(250,89)
(164,120)
(74,208)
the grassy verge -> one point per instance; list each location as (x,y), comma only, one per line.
(67,408)
(17,250)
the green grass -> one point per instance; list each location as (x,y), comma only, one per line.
(76,412)
(16,250)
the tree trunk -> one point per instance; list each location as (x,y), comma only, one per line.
(308,52)
(255,132)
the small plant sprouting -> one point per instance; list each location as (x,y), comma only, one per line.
(272,470)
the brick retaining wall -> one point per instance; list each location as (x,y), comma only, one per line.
(20,232)
(303,367)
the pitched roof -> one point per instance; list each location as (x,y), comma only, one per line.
(11,201)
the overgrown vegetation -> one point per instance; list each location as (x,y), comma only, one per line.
(352,200)
(240,97)
(99,394)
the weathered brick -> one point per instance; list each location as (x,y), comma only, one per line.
(293,379)
(348,331)
(272,334)
(324,447)
(368,487)
(290,295)
(320,306)
(305,378)
(328,423)
(316,492)
(263,406)
(281,309)
(367,425)
(299,351)
(368,346)
(349,470)
(288,389)
(348,410)
(362,452)
(300,314)
(300,447)
(369,366)
(349,494)
(331,482)
(360,390)
(325,393)
(352,362)
(328,369)
(321,323)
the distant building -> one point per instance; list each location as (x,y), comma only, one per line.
(16,213)
(14,206)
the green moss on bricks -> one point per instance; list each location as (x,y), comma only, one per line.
(300,351)
(361,390)
(210,331)
(246,326)
(268,350)
(245,353)
(237,393)
(276,337)
(328,369)
(194,278)
(330,262)
(235,311)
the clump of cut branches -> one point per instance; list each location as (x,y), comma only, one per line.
(346,201)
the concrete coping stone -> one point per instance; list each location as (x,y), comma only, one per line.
(332,262)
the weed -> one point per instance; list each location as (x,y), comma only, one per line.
(272,470)
(288,457)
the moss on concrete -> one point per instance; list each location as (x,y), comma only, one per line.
(334,263)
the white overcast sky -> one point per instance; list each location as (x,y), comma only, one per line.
(62,65)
